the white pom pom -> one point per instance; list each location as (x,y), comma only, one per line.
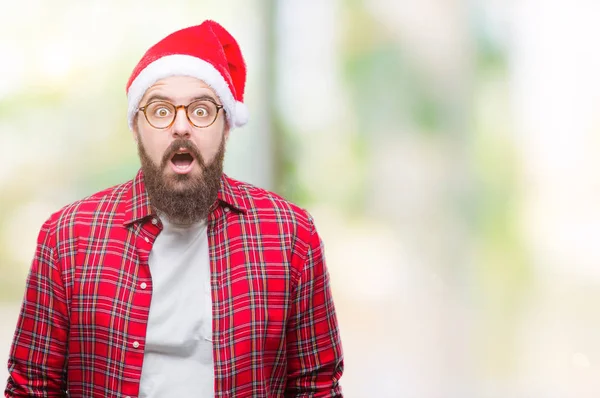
(242,114)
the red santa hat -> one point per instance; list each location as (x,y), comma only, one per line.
(207,52)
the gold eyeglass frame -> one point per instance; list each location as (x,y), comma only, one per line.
(177,108)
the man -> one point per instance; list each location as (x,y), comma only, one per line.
(182,282)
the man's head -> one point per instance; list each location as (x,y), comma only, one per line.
(185,96)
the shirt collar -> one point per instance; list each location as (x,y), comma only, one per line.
(137,203)
(230,195)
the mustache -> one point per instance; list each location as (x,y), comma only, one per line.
(178,144)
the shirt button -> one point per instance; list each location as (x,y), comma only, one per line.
(128,396)
(143,285)
(147,240)
(136,344)
(154,221)
(227,209)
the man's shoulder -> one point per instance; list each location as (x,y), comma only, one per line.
(263,202)
(106,201)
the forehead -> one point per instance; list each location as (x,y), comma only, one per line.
(179,88)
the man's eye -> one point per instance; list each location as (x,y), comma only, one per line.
(162,112)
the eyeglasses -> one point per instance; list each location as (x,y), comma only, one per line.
(161,114)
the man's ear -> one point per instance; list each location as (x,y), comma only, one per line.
(135,132)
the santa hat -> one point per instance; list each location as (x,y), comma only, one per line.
(207,52)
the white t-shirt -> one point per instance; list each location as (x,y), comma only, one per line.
(178,355)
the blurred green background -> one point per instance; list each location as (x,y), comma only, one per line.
(447,149)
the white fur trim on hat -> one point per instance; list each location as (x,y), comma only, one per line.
(185,65)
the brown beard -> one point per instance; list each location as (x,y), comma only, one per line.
(183,198)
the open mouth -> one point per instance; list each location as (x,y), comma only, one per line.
(182,162)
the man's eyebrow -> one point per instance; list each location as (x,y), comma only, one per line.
(158,97)
(204,98)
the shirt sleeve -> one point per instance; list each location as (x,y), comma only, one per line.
(314,349)
(36,363)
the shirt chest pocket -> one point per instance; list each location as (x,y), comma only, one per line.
(104,296)
(253,306)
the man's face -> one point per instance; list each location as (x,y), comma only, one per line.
(182,164)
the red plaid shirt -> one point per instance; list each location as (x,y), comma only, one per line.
(83,321)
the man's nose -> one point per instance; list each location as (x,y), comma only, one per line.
(181,125)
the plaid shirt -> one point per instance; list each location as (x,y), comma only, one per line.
(83,320)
